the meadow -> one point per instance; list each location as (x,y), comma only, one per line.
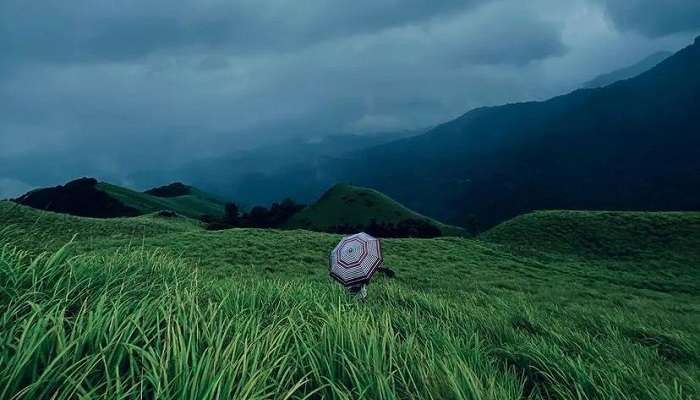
(553,305)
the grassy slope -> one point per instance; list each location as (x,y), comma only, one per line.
(45,230)
(463,318)
(193,205)
(603,234)
(352,205)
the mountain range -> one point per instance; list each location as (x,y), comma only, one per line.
(628,145)
(631,71)
(262,175)
(631,145)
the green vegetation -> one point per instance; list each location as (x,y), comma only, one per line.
(89,198)
(192,205)
(604,233)
(153,307)
(347,205)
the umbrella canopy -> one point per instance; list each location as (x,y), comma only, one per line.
(355,259)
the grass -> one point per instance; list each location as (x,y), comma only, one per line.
(153,308)
(192,205)
(604,233)
(357,206)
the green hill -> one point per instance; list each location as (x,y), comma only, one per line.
(355,208)
(603,233)
(193,204)
(46,229)
(160,308)
(89,198)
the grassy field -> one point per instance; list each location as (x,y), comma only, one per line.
(192,205)
(554,305)
(356,206)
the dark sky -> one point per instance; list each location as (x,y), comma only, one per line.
(97,87)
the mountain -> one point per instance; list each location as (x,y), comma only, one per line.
(628,72)
(292,168)
(632,145)
(89,198)
(346,208)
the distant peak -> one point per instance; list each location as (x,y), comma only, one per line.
(631,71)
(81,182)
(172,190)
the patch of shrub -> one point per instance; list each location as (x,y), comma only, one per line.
(172,190)
(413,228)
(257,217)
(207,219)
(217,226)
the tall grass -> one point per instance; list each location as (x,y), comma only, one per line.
(136,324)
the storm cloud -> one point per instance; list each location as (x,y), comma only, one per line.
(97,87)
(102,30)
(654,18)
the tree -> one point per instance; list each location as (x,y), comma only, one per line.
(232,214)
(258,217)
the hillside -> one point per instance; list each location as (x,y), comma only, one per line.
(606,234)
(78,197)
(193,204)
(179,312)
(631,145)
(51,229)
(628,72)
(355,209)
(90,198)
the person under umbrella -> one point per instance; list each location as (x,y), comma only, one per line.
(354,261)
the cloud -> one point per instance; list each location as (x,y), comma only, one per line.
(500,33)
(654,18)
(96,87)
(102,30)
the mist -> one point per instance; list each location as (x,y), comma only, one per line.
(92,88)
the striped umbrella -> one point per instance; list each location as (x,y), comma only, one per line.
(355,259)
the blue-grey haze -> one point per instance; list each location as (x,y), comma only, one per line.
(105,88)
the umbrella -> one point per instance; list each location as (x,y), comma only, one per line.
(355,259)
